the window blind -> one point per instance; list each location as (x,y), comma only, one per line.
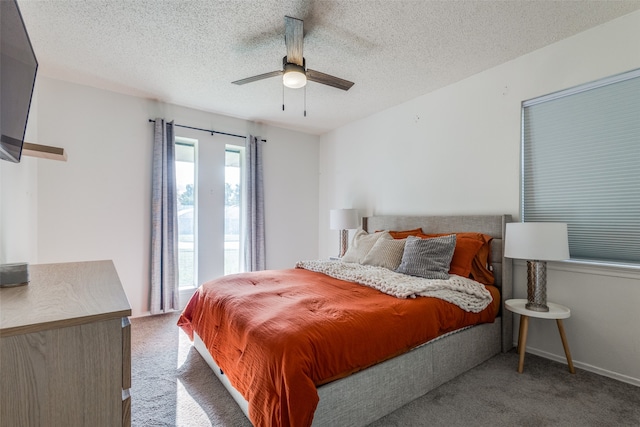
(581,165)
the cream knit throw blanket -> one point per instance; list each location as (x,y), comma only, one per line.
(467,294)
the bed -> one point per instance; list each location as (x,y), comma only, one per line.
(368,394)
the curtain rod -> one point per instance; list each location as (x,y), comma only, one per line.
(209,130)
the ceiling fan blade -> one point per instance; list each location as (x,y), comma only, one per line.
(293,36)
(258,77)
(326,79)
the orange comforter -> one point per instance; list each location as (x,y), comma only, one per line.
(279,334)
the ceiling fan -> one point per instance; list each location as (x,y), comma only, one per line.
(294,72)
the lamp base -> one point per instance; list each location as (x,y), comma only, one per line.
(344,242)
(537,286)
(536,307)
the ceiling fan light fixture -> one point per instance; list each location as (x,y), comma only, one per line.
(294,76)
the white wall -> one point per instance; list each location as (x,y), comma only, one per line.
(18,211)
(457,150)
(18,200)
(97,204)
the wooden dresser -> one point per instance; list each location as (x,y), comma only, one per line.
(65,348)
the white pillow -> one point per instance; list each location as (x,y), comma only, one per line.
(361,245)
(385,253)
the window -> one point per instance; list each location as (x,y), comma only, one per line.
(186,191)
(581,165)
(209,191)
(232,210)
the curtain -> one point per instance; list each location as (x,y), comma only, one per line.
(254,257)
(164,252)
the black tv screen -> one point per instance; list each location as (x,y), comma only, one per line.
(18,67)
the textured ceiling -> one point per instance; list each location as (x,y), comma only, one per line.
(189,52)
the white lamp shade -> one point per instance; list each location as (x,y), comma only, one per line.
(343,219)
(537,241)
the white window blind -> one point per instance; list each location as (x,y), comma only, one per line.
(581,165)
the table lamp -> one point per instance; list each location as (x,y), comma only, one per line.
(537,242)
(343,220)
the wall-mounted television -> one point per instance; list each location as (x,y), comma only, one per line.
(18,67)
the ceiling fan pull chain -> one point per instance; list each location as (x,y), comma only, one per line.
(305,101)
(282,97)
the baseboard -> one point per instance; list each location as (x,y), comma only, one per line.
(604,372)
(183,298)
(143,314)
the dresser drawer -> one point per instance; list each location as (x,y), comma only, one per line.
(126,408)
(126,353)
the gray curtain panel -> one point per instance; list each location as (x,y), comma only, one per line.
(254,257)
(164,222)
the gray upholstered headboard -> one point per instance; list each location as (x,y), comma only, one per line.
(492,225)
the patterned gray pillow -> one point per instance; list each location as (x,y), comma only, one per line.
(385,253)
(428,258)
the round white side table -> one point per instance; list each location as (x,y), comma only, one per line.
(556,311)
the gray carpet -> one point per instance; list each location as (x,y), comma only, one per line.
(173,386)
